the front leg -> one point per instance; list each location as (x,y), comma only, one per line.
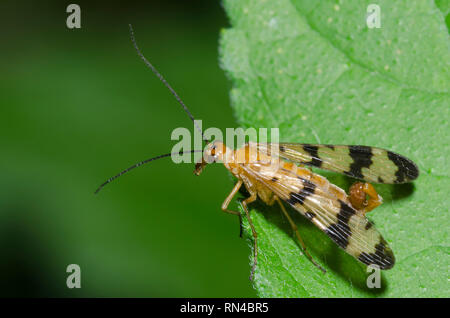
(227,202)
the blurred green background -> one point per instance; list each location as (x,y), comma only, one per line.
(77,106)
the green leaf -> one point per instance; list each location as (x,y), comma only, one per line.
(315,70)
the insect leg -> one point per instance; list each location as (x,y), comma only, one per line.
(295,229)
(358,197)
(255,235)
(227,202)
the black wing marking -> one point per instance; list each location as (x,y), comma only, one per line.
(371,164)
(347,227)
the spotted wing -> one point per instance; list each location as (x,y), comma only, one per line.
(371,164)
(347,227)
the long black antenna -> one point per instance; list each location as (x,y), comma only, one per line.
(140,164)
(162,79)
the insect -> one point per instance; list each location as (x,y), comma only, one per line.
(288,180)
